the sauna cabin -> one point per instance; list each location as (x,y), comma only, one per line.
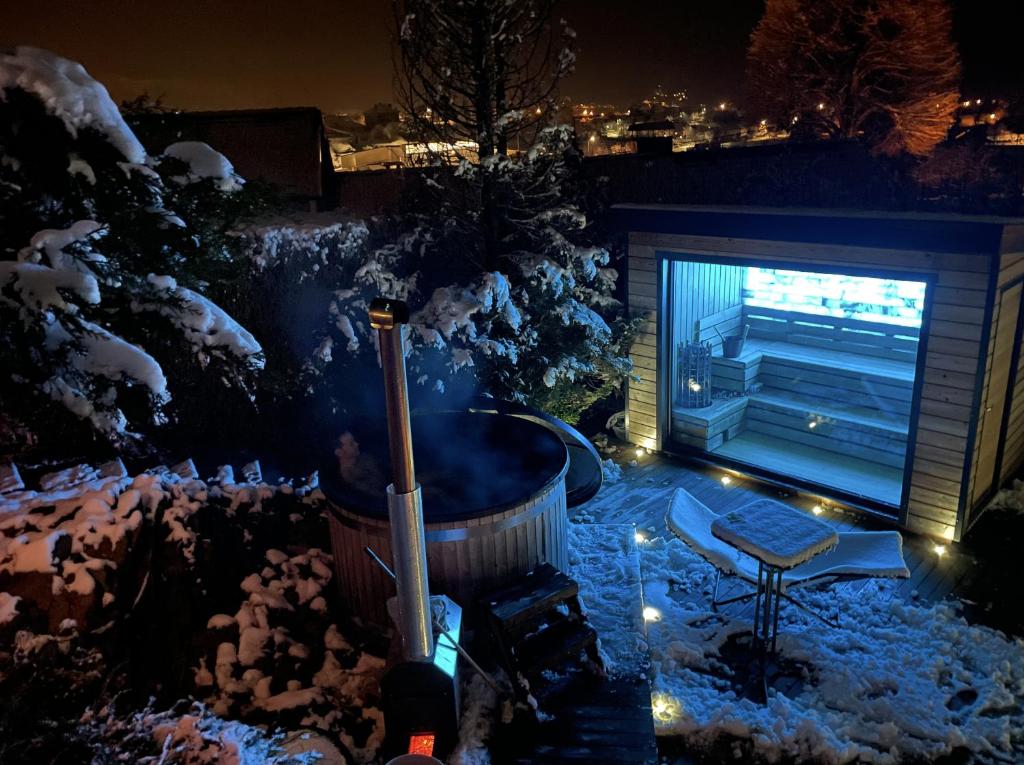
(865,357)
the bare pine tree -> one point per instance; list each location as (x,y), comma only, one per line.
(480,71)
(472,74)
(886,71)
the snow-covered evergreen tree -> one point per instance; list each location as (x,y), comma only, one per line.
(540,326)
(106,255)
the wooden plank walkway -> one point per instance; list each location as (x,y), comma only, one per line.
(608,722)
(595,720)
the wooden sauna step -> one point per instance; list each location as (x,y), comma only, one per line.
(862,418)
(539,591)
(563,639)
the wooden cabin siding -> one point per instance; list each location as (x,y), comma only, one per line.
(703,289)
(955,339)
(1002,392)
(1011,272)
(642,390)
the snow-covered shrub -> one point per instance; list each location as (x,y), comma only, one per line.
(529,317)
(107,256)
(293,270)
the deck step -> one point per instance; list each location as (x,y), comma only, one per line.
(534,594)
(563,639)
(540,632)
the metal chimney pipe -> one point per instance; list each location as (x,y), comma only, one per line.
(405,499)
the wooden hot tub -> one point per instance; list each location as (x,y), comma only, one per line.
(494,506)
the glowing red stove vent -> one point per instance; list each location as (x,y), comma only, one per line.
(421,743)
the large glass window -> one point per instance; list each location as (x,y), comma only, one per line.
(806,375)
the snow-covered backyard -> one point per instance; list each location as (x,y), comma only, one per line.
(897,682)
(165,615)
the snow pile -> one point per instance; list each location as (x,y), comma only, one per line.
(192,737)
(69,93)
(280,653)
(476,726)
(8,608)
(896,682)
(611,471)
(204,163)
(63,544)
(604,560)
(67,548)
(1011,498)
(60,547)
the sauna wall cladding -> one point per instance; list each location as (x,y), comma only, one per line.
(968,437)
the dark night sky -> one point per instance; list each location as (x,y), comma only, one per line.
(236,53)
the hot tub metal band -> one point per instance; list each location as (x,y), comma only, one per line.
(453,535)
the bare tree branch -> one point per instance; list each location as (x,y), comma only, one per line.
(886,71)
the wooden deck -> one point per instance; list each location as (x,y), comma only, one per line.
(606,716)
(642,497)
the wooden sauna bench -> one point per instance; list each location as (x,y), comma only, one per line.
(833,417)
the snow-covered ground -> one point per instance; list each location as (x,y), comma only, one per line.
(896,682)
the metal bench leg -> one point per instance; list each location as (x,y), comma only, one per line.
(757,603)
(768,592)
(778,596)
(715,602)
(834,624)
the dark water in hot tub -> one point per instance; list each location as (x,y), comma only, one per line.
(468,464)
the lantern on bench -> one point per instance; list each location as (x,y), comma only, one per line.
(694,375)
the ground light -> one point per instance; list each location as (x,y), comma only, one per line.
(665,707)
(726,479)
(940,550)
(651,614)
(639,537)
(817,509)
